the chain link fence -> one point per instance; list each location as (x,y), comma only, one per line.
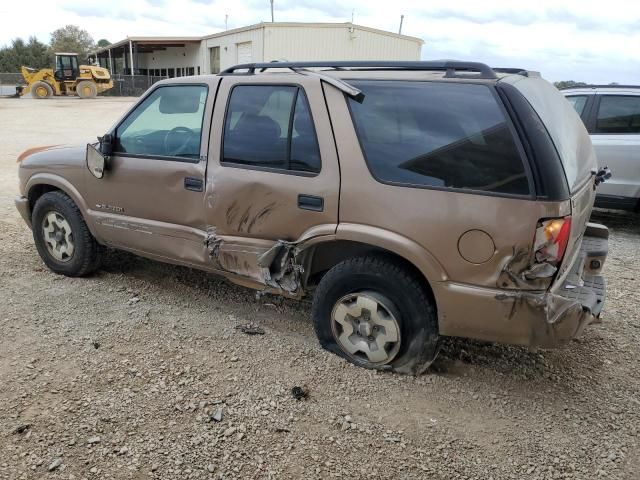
(9,82)
(131,85)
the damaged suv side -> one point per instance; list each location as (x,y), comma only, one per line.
(412,200)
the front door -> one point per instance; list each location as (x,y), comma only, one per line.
(273,176)
(151,198)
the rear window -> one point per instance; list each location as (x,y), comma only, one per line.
(447,135)
(565,127)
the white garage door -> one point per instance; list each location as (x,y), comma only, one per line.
(244,52)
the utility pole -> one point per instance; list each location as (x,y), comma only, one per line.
(226,22)
(401,20)
(271,11)
(353,11)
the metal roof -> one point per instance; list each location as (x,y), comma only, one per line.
(166,41)
(151,40)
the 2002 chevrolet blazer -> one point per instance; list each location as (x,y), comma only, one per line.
(413,200)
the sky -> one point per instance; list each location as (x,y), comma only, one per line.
(581,40)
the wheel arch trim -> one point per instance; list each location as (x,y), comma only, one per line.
(62,184)
(398,244)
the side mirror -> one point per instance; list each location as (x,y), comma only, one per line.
(106,144)
(96,161)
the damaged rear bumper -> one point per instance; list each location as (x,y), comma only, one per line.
(532,318)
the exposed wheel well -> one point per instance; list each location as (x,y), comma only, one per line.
(37,191)
(322,257)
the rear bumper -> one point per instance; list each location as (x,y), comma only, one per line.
(22,204)
(532,318)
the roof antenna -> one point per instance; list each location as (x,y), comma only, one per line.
(271,11)
(401,20)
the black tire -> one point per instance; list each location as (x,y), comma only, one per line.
(87,253)
(86,89)
(41,90)
(410,299)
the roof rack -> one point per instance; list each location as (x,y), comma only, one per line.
(451,67)
(600,86)
(517,71)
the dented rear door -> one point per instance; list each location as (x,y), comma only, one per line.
(273,176)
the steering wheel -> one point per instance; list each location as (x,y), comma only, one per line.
(170,147)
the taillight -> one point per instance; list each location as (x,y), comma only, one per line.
(552,237)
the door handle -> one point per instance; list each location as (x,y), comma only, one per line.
(193,184)
(310,202)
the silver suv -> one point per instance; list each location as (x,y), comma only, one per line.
(612,117)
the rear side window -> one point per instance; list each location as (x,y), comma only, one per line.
(578,102)
(438,135)
(618,114)
(270,126)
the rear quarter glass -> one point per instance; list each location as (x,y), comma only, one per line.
(438,135)
(564,125)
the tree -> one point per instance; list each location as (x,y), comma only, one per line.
(32,54)
(72,39)
(568,84)
(103,42)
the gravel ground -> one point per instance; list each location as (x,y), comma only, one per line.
(139,372)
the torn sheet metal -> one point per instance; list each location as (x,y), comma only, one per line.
(280,268)
(518,272)
(563,317)
(274,267)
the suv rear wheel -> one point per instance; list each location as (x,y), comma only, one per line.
(62,237)
(377,314)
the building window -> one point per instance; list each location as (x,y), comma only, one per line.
(190,71)
(270,127)
(214,59)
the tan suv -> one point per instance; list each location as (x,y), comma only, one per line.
(412,200)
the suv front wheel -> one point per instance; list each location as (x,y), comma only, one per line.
(62,237)
(376,313)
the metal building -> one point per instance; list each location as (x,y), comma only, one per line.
(263,42)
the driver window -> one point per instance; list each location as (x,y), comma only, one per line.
(168,123)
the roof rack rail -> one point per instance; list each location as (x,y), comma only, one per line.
(451,67)
(601,86)
(517,71)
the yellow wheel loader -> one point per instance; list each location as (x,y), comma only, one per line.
(68,78)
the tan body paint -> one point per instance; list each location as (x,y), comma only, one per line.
(246,224)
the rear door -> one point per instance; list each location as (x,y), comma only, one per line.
(616,139)
(273,172)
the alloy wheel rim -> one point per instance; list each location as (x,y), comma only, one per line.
(365,326)
(58,236)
